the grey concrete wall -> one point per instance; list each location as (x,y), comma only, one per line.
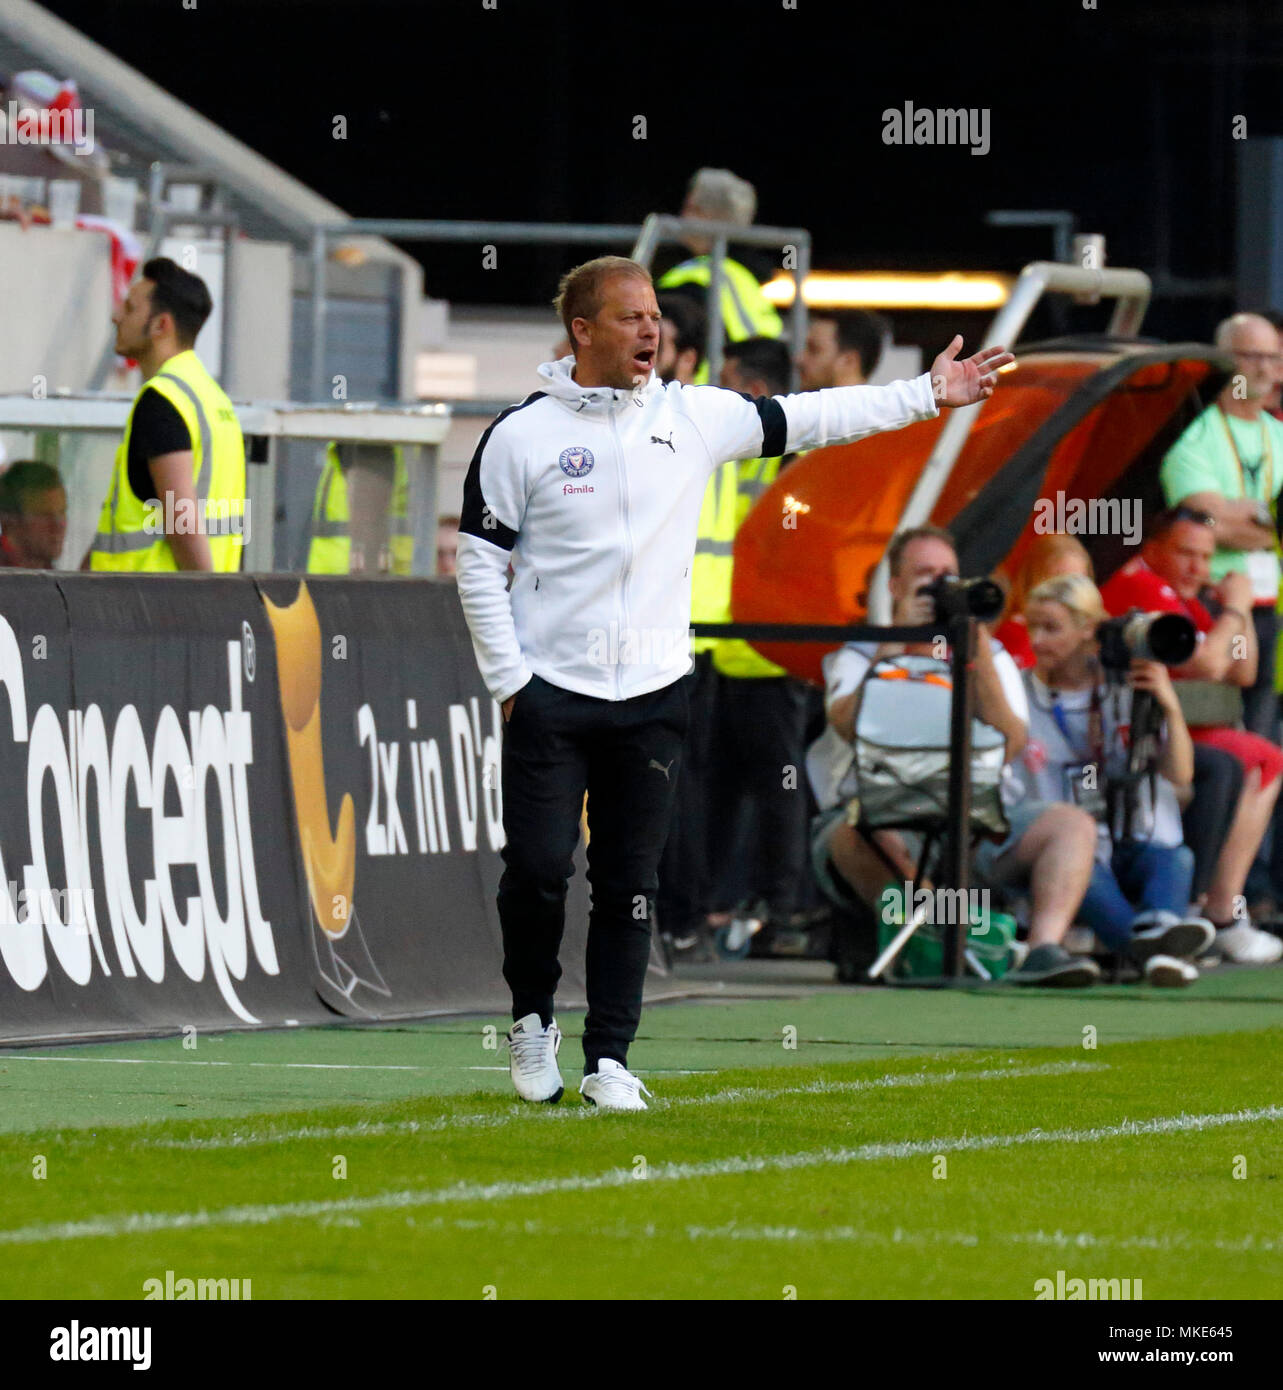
(261,303)
(55,287)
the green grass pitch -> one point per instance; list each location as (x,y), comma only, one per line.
(911,1144)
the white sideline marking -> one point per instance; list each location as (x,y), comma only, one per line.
(530,1114)
(305,1066)
(136,1223)
(1081,1240)
(175,1062)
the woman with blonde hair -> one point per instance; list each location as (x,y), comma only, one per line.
(1079,733)
(1048,556)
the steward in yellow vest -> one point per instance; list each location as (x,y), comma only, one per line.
(746,313)
(731,492)
(758,366)
(331,549)
(177,494)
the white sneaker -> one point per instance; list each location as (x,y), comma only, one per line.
(1167,972)
(1245,944)
(532,1059)
(612,1087)
(1080,941)
(1169,935)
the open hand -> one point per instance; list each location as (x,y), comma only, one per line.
(957,383)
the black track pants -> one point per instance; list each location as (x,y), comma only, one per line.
(626,754)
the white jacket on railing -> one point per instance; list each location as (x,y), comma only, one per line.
(593,494)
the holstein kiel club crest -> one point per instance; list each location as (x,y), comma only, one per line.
(576,463)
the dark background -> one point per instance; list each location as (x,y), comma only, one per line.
(1121,114)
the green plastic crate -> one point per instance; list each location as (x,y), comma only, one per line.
(989,939)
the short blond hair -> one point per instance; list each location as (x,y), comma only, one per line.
(1073,591)
(579,296)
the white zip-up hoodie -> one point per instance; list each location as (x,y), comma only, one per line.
(594,495)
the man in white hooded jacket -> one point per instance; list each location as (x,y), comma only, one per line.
(591,488)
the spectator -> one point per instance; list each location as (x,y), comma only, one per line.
(361,512)
(1050,848)
(447,544)
(843,348)
(33,516)
(1047,557)
(1229,464)
(681,338)
(717,195)
(1274,401)
(737,739)
(1167,577)
(1079,726)
(760,721)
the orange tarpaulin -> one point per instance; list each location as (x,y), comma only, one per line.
(1069,419)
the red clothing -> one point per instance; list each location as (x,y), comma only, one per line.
(1014,636)
(1253,751)
(1138,586)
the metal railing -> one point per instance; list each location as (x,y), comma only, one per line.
(660,227)
(161,218)
(1131,288)
(418,429)
(643,240)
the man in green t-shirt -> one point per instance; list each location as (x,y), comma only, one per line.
(1229,463)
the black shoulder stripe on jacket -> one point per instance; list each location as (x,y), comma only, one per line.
(477,519)
(775,425)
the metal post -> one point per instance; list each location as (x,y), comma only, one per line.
(422,468)
(955,872)
(258,555)
(320,246)
(716,330)
(797,317)
(225,310)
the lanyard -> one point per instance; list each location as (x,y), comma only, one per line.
(1095,727)
(1267,458)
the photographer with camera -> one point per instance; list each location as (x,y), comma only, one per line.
(1229,464)
(1171,575)
(1049,849)
(1107,734)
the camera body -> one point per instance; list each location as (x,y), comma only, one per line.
(1166,637)
(981,599)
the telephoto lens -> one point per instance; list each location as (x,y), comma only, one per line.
(981,599)
(1166,637)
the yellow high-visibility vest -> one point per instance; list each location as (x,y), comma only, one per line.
(131,534)
(746,313)
(731,492)
(331,549)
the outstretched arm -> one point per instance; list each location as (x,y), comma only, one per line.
(969,381)
(736,426)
